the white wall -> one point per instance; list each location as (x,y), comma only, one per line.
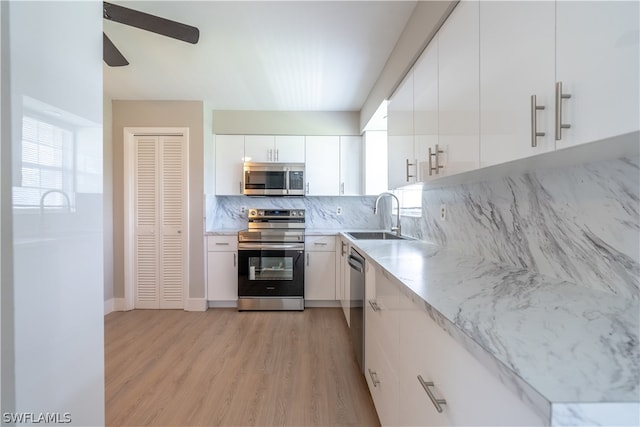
(56,65)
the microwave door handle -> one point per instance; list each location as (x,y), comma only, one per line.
(286,181)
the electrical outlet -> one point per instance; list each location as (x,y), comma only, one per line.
(443,212)
(243,209)
(339,210)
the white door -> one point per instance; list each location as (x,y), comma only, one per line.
(229,159)
(159,214)
(458,90)
(401,157)
(517,62)
(351,165)
(425,114)
(597,63)
(322,165)
(259,148)
(289,149)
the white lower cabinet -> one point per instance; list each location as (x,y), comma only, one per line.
(222,268)
(402,343)
(320,268)
(381,357)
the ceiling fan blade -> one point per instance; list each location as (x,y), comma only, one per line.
(111,54)
(155,24)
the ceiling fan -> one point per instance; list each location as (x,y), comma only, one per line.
(144,21)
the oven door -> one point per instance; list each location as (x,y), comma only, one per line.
(270,270)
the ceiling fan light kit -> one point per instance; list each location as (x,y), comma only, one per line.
(144,21)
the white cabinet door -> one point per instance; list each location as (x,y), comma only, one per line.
(425,114)
(222,276)
(270,148)
(381,353)
(320,268)
(322,165)
(517,61)
(320,276)
(229,159)
(289,149)
(473,395)
(259,148)
(597,62)
(351,165)
(401,156)
(222,268)
(459,91)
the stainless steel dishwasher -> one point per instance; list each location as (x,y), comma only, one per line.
(356,310)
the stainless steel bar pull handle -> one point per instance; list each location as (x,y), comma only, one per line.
(374,377)
(407,173)
(435,153)
(426,385)
(307,260)
(235,262)
(559,97)
(534,121)
(307,191)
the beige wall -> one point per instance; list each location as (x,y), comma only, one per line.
(424,22)
(161,114)
(286,122)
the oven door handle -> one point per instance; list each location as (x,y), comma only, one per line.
(269,246)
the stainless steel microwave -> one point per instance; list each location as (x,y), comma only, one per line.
(273,179)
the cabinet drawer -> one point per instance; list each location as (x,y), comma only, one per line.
(222,243)
(320,243)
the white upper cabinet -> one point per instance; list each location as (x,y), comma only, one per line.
(459,90)
(322,165)
(270,148)
(289,149)
(516,62)
(425,113)
(597,64)
(401,156)
(229,159)
(351,158)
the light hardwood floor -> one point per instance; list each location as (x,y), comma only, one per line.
(228,368)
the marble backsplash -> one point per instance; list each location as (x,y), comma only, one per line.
(224,212)
(579,224)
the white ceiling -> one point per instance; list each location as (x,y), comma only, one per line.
(259,55)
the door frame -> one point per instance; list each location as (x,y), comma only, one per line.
(129,167)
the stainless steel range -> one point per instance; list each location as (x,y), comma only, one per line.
(271,260)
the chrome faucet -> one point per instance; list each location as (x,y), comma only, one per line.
(397,228)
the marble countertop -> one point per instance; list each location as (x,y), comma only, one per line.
(561,343)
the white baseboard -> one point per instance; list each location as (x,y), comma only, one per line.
(108,306)
(120,304)
(321,303)
(223,304)
(195,304)
(115,304)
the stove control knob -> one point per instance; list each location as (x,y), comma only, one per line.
(260,213)
(252,212)
(301,213)
(294,213)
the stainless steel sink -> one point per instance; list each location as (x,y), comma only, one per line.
(374,235)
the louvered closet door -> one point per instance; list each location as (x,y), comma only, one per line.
(172,227)
(160,212)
